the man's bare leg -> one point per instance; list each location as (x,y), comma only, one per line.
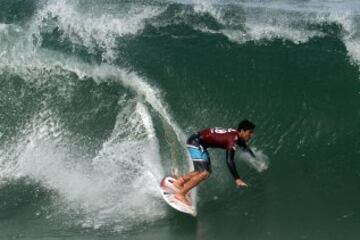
(181,181)
(193,182)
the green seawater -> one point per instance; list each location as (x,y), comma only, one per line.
(97,99)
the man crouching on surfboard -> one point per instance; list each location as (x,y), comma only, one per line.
(222,138)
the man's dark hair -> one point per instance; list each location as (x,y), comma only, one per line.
(246,125)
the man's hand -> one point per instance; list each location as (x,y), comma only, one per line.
(240,183)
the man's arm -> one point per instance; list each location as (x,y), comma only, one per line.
(231,164)
(232,167)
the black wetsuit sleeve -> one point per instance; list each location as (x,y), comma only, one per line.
(231,163)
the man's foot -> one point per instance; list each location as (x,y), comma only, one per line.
(182,199)
(177,185)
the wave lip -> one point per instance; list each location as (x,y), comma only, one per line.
(245,21)
(90,29)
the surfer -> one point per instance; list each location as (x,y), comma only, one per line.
(197,144)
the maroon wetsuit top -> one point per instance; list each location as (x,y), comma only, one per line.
(224,138)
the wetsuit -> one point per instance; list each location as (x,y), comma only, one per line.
(224,138)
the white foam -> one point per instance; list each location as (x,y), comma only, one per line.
(269,32)
(258,23)
(91,30)
(260,163)
(119,187)
(3,27)
(350,31)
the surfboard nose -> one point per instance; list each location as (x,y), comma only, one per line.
(163,183)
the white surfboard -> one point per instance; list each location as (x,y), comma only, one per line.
(167,192)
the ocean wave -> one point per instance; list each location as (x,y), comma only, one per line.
(241,22)
(71,27)
(97,186)
(82,129)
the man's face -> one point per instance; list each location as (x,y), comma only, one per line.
(246,134)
